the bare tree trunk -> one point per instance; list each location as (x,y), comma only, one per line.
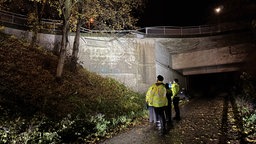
(39,8)
(34,38)
(35,24)
(63,50)
(66,14)
(74,58)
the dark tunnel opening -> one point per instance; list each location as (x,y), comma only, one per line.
(209,85)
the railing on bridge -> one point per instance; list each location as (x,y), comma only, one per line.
(20,21)
(54,26)
(194,30)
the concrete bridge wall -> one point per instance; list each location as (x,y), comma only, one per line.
(170,51)
(212,54)
(136,61)
(211,60)
(131,60)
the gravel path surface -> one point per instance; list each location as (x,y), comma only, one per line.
(203,121)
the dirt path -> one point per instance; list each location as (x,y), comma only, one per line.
(204,121)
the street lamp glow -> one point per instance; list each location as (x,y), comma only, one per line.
(218,9)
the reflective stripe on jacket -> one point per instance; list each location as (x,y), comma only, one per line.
(156,95)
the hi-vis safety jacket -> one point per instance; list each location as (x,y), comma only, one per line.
(156,95)
(175,89)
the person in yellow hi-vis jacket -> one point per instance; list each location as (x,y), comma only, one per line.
(176,99)
(156,97)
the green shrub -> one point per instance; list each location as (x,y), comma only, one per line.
(246,106)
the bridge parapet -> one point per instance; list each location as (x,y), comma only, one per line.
(54,26)
(201,30)
(21,21)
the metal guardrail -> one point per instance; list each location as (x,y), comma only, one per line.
(55,26)
(20,21)
(194,30)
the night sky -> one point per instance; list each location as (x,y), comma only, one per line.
(177,12)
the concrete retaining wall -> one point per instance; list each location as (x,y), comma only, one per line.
(132,60)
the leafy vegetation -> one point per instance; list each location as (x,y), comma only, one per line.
(247,106)
(93,14)
(34,108)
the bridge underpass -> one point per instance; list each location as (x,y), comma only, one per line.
(136,60)
(212,54)
(208,63)
(211,62)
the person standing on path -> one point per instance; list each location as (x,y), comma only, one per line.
(168,109)
(156,97)
(176,99)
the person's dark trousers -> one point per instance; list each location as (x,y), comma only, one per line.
(176,101)
(160,113)
(168,112)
